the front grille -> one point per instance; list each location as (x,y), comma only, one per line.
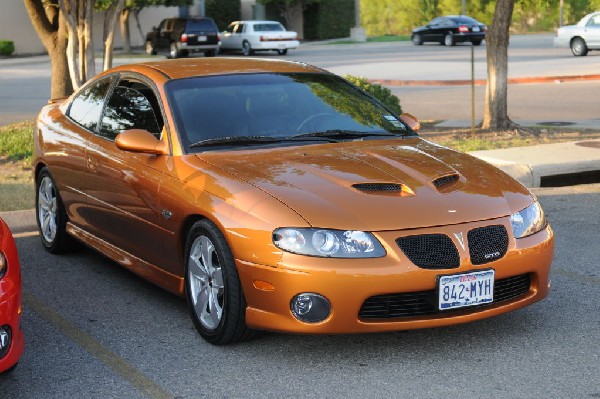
(370,187)
(422,303)
(487,244)
(430,251)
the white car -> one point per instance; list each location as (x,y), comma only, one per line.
(251,36)
(581,38)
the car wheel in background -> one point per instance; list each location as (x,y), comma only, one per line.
(449,39)
(213,288)
(174,51)
(210,53)
(282,52)
(578,47)
(246,48)
(416,39)
(150,49)
(51,215)
(476,42)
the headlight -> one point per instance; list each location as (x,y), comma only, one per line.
(328,243)
(3,265)
(528,221)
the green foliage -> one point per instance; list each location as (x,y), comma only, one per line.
(328,19)
(381,93)
(7,47)
(396,17)
(223,11)
(16,141)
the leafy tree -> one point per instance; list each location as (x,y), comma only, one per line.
(223,11)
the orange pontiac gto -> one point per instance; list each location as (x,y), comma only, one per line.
(277,196)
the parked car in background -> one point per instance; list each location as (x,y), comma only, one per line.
(581,38)
(450,30)
(179,37)
(11,336)
(251,36)
(278,196)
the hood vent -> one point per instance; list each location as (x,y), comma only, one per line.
(378,187)
(444,181)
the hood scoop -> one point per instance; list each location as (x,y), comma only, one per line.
(383,188)
(446,183)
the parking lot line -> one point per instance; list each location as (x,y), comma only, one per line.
(119,365)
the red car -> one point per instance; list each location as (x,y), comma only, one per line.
(11,336)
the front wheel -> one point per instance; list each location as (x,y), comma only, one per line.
(212,285)
(51,215)
(246,48)
(449,39)
(210,53)
(150,48)
(282,52)
(476,42)
(417,40)
(578,47)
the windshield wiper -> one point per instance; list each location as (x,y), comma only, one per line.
(234,140)
(341,134)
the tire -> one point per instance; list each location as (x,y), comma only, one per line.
(416,39)
(476,42)
(210,53)
(51,216)
(282,52)
(578,47)
(449,39)
(246,48)
(174,51)
(150,48)
(212,285)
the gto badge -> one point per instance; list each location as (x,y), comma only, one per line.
(492,255)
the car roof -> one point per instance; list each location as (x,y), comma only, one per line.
(194,67)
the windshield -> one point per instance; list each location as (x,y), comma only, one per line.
(279,107)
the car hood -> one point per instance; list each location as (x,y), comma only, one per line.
(377,185)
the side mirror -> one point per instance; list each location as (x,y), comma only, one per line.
(411,121)
(139,140)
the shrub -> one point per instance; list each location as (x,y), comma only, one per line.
(381,93)
(16,141)
(6,47)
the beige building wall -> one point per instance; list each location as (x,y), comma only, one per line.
(15,25)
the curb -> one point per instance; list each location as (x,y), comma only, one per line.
(482,82)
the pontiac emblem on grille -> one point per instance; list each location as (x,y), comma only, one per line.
(461,240)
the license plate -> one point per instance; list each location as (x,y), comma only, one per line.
(466,289)
(202,38)
(475,29)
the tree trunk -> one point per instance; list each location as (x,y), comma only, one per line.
(89,40)
(136,15)
(50,26)
(495,114)
(110,21)
(125,33)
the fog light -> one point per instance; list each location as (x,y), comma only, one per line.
(310,308)
(5,338)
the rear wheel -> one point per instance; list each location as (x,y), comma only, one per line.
(476,42)
(449,39)
(247,48)
(210,53)
(213,289)
(282,52)
(416,39)
(51,215)
(174,51)
(578,47)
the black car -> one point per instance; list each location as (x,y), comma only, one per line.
(450,30)
(179,37)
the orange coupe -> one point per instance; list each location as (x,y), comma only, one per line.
(277,196)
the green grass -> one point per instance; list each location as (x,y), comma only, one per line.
(16,196)
(478,144)
(16,141)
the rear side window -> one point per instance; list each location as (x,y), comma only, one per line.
(268,28)
(131,108)
(86,108)
(203,24)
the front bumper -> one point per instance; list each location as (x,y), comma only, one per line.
(469,37)
(347,283)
